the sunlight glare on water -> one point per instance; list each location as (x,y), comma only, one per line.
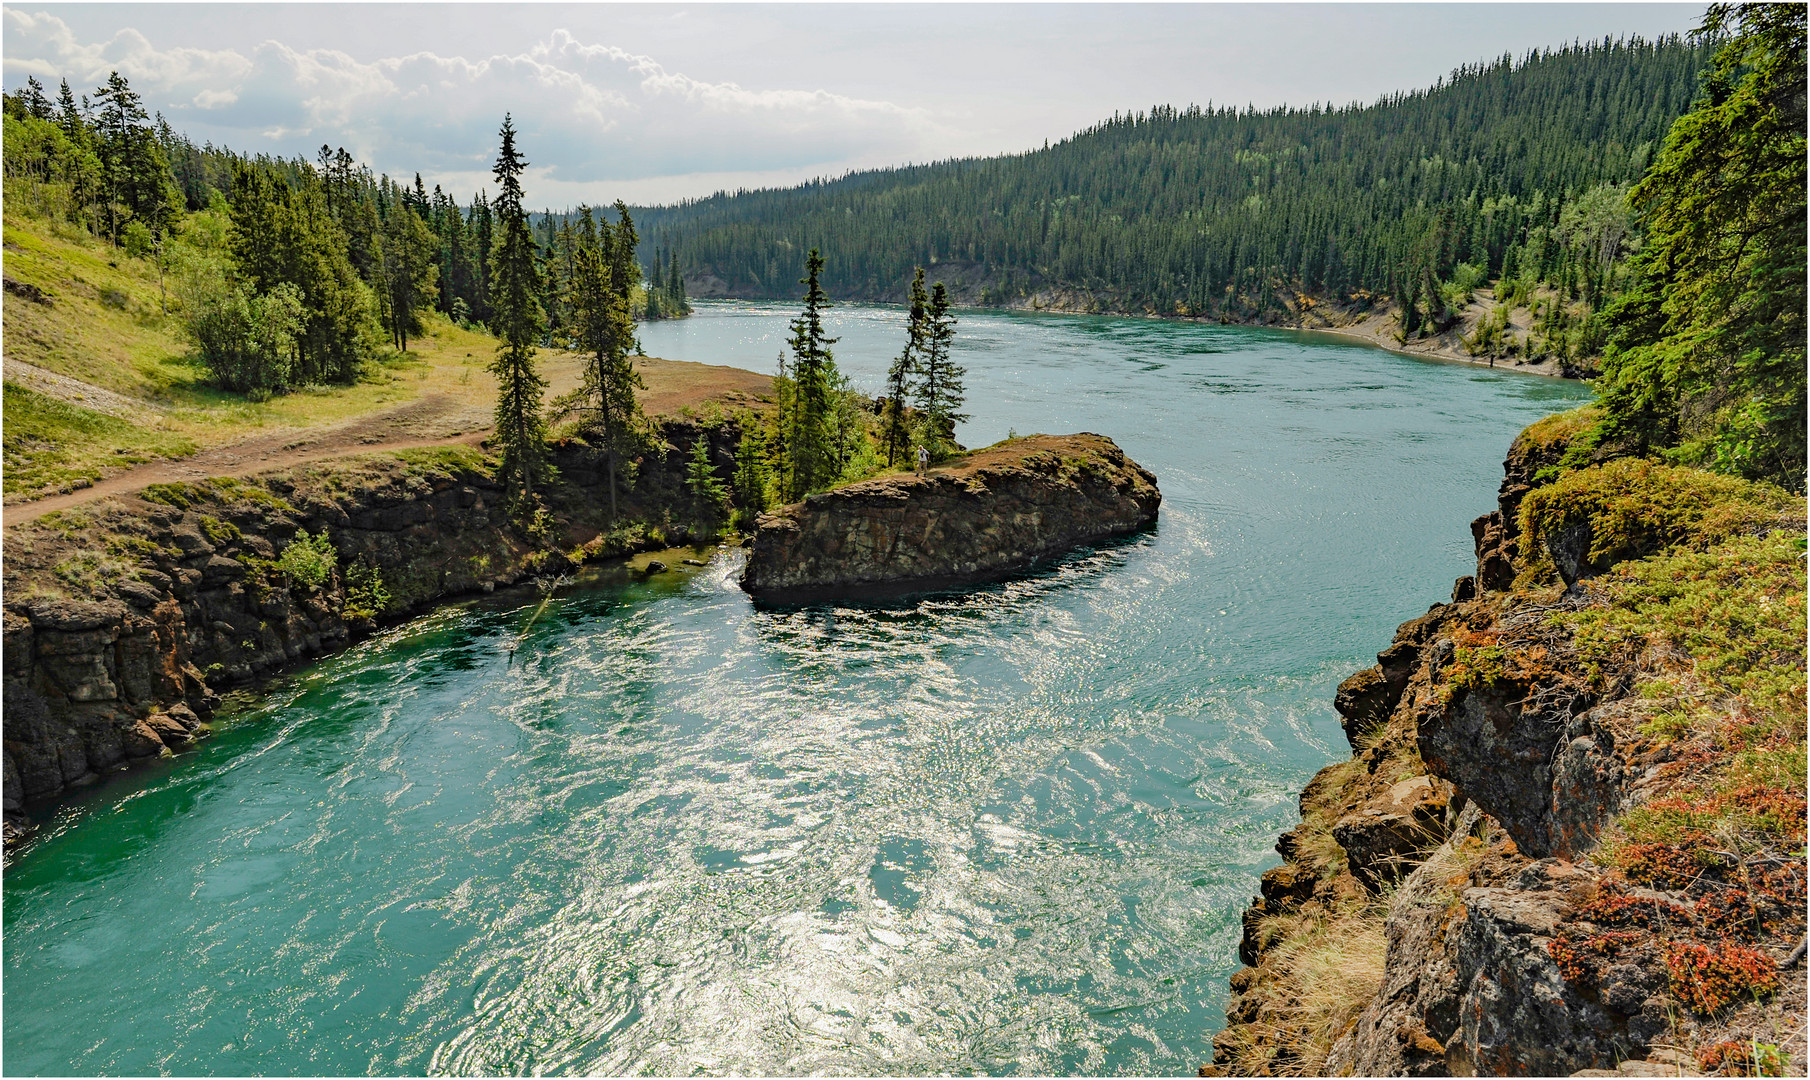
(1008,831)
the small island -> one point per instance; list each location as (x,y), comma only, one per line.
(987,515)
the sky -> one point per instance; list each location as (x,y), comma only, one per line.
(654,103)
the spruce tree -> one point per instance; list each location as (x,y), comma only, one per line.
(69,117)
(409,273)
(1706,358)
(940,391)
(895,425)
(750,480)
(811,464)
(702,482)
(604,329)
(521,430)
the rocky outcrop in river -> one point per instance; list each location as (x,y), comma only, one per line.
(990,514)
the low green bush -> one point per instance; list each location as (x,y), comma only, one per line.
(1637,508)
(308,561)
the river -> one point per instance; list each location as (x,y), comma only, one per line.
(1009,831)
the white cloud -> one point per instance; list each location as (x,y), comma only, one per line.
(41,44)
(592,117)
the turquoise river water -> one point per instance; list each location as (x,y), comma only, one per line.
(1009,831)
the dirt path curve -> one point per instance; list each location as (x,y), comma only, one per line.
(433,420)
(275,451)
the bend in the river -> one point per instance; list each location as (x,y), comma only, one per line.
(1006,831)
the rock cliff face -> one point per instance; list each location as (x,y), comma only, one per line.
(1519,845)
(993,513)
(124,618)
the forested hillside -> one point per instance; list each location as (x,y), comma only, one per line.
(1513,169)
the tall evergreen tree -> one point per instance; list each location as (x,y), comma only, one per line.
(517,321)
(809,440)
(409,274)
(1706,361)
(137,176)
(940,391)
(895,424)
(604,329)
(750,480)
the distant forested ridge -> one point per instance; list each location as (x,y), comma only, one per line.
(1227,212)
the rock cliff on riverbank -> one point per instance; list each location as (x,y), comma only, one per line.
(989,514)
(124,618)
(1571,833)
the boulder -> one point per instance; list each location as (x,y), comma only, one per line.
(1362,702)
(994,513)
(168,730)
(1384,835)
(139,739)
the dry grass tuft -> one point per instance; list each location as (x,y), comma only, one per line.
(1325,968)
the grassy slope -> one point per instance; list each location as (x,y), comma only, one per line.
(105,326)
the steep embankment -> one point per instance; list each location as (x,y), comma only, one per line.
(124,618)
(991,513)
(1571,832)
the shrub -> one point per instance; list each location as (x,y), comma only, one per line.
(1734,614)
(308,561)
(1577,957)
(1709,978)
(1615,908)
(1730,914)
(1744,1059)
(1637,508)
(246,341)
(1665,866)
(366,596)
(137,239)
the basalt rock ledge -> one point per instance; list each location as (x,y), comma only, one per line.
(993,513)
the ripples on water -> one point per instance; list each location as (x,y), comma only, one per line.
(1007,831)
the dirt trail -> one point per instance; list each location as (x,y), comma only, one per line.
(275,451)
(434,420)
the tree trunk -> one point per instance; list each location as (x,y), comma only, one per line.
(612,484)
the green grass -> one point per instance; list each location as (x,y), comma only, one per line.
(1730,620)
(53,444)
(106,326)
(1721,634)
(1638,508)
(215,490)
(1560,427)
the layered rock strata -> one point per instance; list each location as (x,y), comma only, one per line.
(991,514)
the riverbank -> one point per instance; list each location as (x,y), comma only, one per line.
(126,617)
(1379,326)
(1510,874)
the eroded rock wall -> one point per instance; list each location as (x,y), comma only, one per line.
(1486,768)
(123,619)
